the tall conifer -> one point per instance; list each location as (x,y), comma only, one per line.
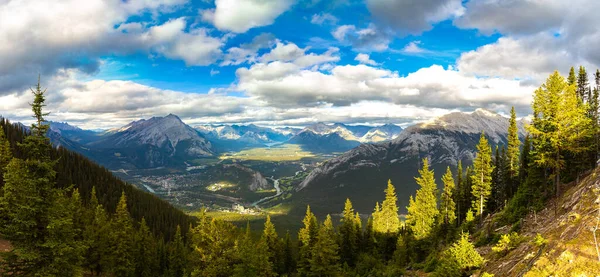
(423,210)
(482,177)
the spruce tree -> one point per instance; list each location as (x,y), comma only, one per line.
(27,199)
(289,262)
(482,177)
(271,241)
(582,84)
(448,206)
(559,123)
(5,156)
(123,263)
(458,196)
(348,231)
(146,259)
(177,254)
(253,257)
(422,209)
(572,80)
(306,238)
(514,145)
(389,220)
(63,241)
(324,260)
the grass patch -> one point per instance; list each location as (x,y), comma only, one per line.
(286,152)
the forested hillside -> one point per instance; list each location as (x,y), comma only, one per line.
(464,229)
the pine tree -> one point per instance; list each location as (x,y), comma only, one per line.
(270,239)
(423,210)
(572,80)
(559,123)
(348,235)
(307,237)
(458,196)
(27,199)
(123,263)
(448,206)
(459,258)
(482,177)
(177,255)
(5,156)
(387,220)
(63,240)
(582,84)
(289,262)
(513,150)
(324,260)
(146,258)
(98,239)
(254,257)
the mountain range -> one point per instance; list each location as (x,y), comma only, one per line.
(168,141)
(363,172)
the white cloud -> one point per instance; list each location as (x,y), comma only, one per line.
(413,48)
(45,37)
(370,38)
(214,72)
(413,17)
(195,47)
(241,15)
(365,59)
(539,37)
(287,85)
(247,52)
(323,18)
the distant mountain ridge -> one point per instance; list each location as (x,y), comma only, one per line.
(364,170)
(339,137)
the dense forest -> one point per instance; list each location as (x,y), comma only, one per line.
(66,216)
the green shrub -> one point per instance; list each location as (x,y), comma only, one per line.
(539,240)
(460,258)
(507,242)
(485,274)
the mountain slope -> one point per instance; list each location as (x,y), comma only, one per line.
(73,169)
(155,142)
(322,143)
(236,137)
(570,249)
(363,172)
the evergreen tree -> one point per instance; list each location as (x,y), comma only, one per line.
(348,235)
(146,259)
(324,260)
(582,84)
(254,257)
(387,220)
(5,156)
(369,240)
(514,145)
(482,177)
(271,241)
(458,196)
(177,255)
(98,238)
(423,210)
(459,259)
(63,241)
(572,80)
(289,262)
(27,199)
(123,263)
(306,238)
(448,206)
(559,123)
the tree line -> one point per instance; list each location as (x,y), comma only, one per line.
(57,232)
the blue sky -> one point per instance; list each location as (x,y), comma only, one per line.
(286,62)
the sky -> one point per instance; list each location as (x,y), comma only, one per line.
(106,63)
